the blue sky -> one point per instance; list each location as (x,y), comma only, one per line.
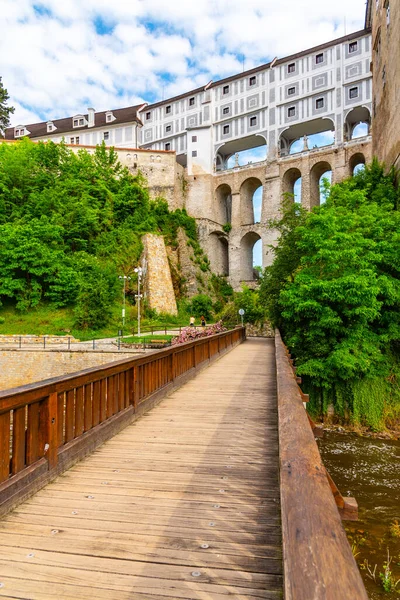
(59,56)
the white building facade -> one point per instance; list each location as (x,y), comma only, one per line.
(327,88)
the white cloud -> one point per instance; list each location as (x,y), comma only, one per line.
(54,62)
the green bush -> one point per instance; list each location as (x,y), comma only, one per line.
(201,305)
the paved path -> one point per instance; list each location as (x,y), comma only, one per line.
(182,504)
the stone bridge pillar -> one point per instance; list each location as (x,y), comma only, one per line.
(236,210)
(271,193)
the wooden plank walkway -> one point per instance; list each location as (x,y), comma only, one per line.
(182,504)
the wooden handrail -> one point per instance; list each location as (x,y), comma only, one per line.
(47,426)
(318,561)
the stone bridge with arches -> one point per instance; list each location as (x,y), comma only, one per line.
(233,207)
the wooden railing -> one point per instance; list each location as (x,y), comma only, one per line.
(47,426)
(318,561)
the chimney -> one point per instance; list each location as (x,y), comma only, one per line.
(91,112)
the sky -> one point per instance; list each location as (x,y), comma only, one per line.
(57,57)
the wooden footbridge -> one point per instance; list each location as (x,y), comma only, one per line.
(217,492)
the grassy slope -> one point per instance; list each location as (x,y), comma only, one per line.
(47,320)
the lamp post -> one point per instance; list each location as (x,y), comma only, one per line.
(124,279)
(139,272)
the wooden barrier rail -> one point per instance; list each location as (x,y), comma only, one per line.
(47,426)
(317,558)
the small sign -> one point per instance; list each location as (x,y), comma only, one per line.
(119,332)
(241,312)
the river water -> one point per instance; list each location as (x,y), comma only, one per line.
(369,470)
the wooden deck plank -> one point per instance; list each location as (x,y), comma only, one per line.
(182,504)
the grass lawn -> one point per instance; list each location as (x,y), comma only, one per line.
(147,338)
(48,320)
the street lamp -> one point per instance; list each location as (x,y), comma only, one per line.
(139,272)
(124,278)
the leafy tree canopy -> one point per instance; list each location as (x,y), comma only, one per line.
(334,287)
(70,223)
(5,111)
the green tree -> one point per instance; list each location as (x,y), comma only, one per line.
(334,290)
(5,111)
(201,305)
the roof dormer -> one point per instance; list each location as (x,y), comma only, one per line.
(20,131)
(78,121)
(50,127)
(110,117)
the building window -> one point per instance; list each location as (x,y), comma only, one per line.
(49,127)
(194,138)
(167,146)
(319,103)
(253,121)
(109,118)
(226,129)
(106,135)
(81,122)
(76,122)
(168,128)
(353,47)
(353,92)
(291,91)
(168,109)
(225,111)
(194,153)
(291,68)
(253,80)
(291,111)
(319,59)
(191,101)
(225,89)
(74,140)
(19,132)
(148,116)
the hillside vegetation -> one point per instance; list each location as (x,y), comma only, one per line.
(70,223)
(334,292)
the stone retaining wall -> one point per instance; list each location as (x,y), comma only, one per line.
(19,367)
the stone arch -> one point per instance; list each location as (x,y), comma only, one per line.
(306,135)
(355,160)
(247,190)
(240,152)
(316,174)
(218,251)
(246,255)
(223,204)
(289,180)
(360,115)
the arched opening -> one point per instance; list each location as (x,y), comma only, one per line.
(320,172)
(357,163)
(357,123)
(223,204)
(218,253)
(251,201)
(250,256)
(291,183)
(310,142)
(241,152)
(307,135)
(247,157)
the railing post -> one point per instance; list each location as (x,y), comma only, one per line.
(52,430)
